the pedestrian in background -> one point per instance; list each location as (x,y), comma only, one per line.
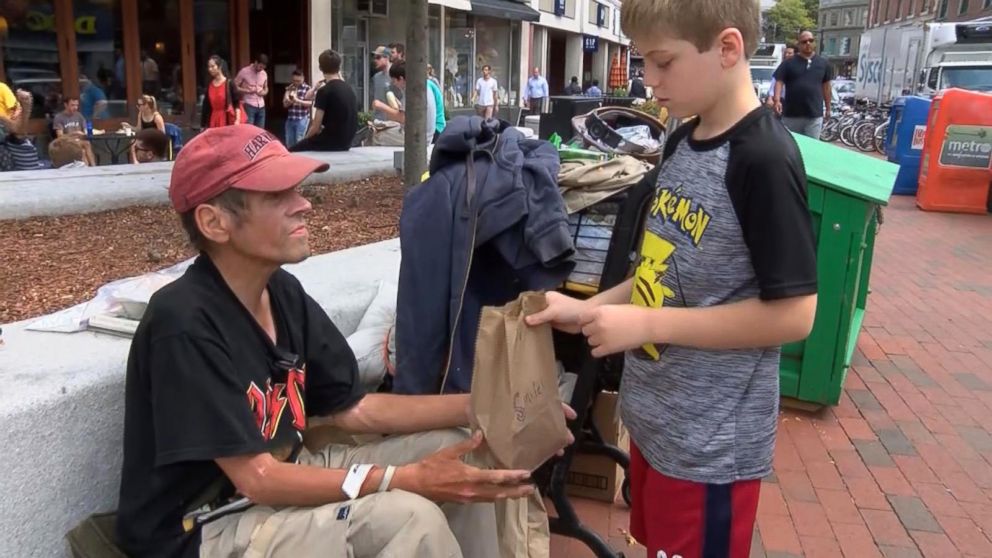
(297,108)
(536,92)
(222,102)
(807,76)
(486,91)
(573,87)
(253,84)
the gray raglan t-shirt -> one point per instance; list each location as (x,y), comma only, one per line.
(729,221)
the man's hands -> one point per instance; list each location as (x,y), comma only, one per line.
(444,477)
(778,106)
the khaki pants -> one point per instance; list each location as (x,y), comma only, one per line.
(392,524)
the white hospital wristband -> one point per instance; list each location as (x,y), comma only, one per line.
(387,478)
(352,485)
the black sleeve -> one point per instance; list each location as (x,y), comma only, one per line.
(678,135)
(779,72)
(332,372)
(198,402)
(233,96)
(320,99)
(205,110)
(767,184)
(828,74)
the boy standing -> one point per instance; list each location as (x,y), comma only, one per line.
(727,274)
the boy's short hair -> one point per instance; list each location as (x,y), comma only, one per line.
(398,70)
(329,62)
(696,21)
(64,150)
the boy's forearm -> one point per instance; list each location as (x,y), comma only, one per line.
(778,91)
(619,294)
(746,324)
(383,413)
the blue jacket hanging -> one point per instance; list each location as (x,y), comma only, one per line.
(466,244)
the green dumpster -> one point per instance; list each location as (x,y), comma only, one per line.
(845,188)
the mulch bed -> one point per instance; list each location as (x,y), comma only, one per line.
(51,263)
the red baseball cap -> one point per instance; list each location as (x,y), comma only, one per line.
(239,156)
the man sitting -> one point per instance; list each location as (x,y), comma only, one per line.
(233,361)
(151,145)
(70,122)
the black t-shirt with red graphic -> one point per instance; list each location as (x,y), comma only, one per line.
(205,381)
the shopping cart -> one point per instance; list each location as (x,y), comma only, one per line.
(606,237)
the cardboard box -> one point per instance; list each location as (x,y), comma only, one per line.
(597,476)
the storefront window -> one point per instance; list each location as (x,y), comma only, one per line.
(212,35)
(160,57)
(493,48)
(30,53)
(100,53)
(459,59)
(350,38)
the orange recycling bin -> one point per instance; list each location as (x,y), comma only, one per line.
(957,153)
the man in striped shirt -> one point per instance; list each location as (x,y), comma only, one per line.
(16,151)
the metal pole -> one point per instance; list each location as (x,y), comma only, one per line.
(415,138)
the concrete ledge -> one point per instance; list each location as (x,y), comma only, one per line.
(62,406)
(67,192)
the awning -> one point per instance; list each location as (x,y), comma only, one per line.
(505,9)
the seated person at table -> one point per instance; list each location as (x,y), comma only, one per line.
(150,146)
(67,152)
(70,122)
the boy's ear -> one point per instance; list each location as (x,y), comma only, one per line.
(730,42)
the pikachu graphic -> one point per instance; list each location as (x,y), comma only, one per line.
(648,290)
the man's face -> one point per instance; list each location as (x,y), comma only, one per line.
(297,80)
(536,72)
(272,227)
(259,66)
(72,106)
(381,62)
(486,72)
(142,152)
(789,53)
(683,79)
(395,56)
(399,83)
(806,43)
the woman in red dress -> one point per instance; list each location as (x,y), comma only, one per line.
(221,103)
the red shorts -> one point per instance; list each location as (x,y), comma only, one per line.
(682,519)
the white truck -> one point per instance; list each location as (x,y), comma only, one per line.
(764,62)
(923,59)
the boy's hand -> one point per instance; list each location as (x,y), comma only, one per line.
(778,106)
(614,328)
(562,313)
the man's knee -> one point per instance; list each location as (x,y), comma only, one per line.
(414,520)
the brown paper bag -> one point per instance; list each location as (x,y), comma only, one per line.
(515,399)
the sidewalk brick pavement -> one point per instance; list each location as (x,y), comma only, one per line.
(902,466)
